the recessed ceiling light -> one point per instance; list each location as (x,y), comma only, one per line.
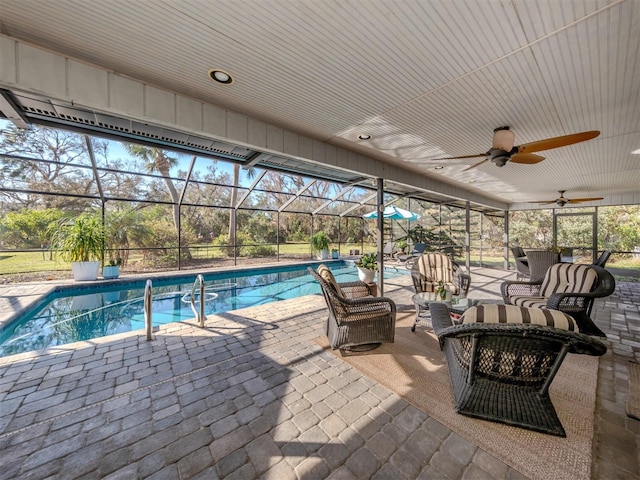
(220,76)
(636,152)
(364,136)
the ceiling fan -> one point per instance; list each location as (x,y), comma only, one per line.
(503,150)
(562,200)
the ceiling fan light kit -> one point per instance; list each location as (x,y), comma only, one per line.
(503,149)
(503,139)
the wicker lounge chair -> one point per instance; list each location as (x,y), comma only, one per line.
(431,268)
(502,371)
(389,250)
(567,287)
(357,320)
(411,258)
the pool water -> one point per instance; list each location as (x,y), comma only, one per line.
(84,313)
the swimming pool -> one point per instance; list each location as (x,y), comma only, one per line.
(84,313)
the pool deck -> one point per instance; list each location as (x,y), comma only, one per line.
(252,396)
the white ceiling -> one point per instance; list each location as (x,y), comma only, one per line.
(424,78)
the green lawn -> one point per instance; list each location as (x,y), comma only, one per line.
(21,262)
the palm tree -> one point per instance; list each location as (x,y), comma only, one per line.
(251,173)
(124,227)
(157,160)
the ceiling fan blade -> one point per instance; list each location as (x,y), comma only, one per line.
(528,158)
(476,165)
(544,202)
(578,200)
(464,156)
(557,142)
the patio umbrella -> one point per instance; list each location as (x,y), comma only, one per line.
(394,213)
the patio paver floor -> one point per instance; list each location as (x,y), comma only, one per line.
(252,396)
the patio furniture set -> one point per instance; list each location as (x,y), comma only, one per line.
(502,357)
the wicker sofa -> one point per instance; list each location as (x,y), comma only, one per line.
(502,360)
(357,320)
(570,288)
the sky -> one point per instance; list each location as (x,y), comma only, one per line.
(117,150)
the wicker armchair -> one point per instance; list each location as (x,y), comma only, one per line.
(522,264)
(567,287)
(431,268)
(502,371)
(356,320)
(539,262)
(601,261)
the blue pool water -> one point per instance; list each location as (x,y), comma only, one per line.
(90,312)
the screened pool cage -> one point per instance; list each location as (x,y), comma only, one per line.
(164,209)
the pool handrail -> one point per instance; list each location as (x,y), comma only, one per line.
(148,309)
(200,316)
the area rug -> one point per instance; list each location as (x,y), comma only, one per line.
(633,400)
(414,367)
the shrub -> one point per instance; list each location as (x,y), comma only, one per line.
(257,251)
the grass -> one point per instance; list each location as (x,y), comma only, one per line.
(23,262)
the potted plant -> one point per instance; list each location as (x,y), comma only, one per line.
(320,243)
(443,294)
(112,269)
(80,241)
(334,253)
(367,266)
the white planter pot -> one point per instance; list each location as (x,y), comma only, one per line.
(365,275)
(323,254)
(110,271)
(83,271)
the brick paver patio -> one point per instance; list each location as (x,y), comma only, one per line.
(252,396)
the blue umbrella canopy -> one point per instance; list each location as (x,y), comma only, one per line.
(394,213)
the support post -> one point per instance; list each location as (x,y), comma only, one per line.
(380,233)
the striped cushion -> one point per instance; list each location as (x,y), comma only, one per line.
(568,277)
(529,302)
(432,286)
(434,268)
(492,313)
(328,277)
(511,365)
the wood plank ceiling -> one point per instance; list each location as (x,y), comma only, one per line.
(425,79)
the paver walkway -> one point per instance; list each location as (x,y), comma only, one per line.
(252,396)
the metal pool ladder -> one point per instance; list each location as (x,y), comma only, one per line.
(200,316)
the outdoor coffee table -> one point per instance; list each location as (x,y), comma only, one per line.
(457,306)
